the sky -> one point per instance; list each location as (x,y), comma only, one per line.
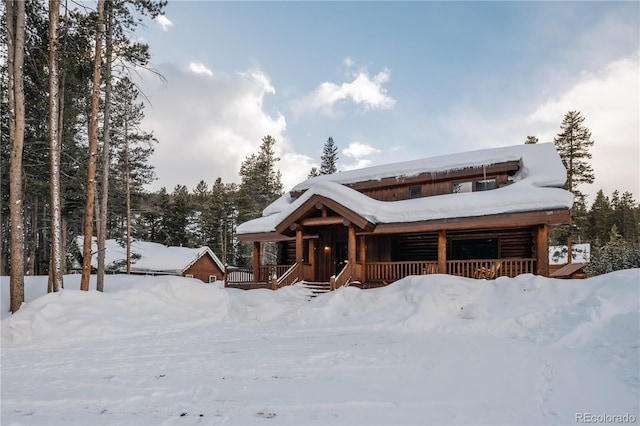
(388,81)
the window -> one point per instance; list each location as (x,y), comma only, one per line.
(212,279)
(485,185)
(415,192)
(481,248)
(188,275)
(474,186)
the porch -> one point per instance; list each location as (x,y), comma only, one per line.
(377,274)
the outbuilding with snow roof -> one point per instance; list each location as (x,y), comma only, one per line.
(157,259)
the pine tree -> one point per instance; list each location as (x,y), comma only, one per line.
(615,255)
(93,151)
(260,185)
(329,159)
(573,144)
(178,220)
(531,140)
(599,219)
(261,182)
(625,215)
(313,173)
(15,18)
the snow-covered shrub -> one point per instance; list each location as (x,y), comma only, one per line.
(615,255)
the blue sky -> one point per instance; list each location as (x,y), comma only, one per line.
(389,81)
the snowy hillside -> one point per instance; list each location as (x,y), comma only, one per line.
(425,350)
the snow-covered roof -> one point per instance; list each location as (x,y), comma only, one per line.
(153,257)
(536,186)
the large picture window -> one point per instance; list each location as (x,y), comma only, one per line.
(481,248)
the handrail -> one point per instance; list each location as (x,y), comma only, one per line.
(343,277)
(288,278)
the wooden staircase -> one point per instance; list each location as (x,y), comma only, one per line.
(315,288)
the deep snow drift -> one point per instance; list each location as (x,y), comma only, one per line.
(424,350)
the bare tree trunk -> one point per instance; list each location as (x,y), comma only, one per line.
(57,256)
(106,155)
(15,61)
(127,191)
(63,221)
(33,245)
(93,152)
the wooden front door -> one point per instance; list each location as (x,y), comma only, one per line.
(331,251)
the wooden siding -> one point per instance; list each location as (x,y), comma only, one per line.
(203,267)
(397,188)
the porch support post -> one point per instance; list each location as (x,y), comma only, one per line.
(351,245)
(256,261)
(311,260)
(442,251)
(299,245)
(363,258)
(542,250)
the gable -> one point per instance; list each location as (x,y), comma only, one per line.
(319,210)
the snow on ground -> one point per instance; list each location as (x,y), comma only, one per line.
(425,350)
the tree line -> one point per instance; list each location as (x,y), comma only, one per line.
(74,149)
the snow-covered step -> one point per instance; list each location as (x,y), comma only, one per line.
(316,288)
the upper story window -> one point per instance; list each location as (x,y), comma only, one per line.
(415,192)
(474,186)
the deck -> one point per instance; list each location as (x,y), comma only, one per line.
(376,274)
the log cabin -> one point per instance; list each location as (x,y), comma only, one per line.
(480,214)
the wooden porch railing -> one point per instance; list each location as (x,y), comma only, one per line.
(393,271)
(343,277)
(483,268)
(388,272)
(247,276)
(291,276)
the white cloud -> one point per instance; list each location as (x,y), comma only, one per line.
(207,127)
(359,153)
(358,149)
(198,68)
(363,90)
(163,22)
(609,100)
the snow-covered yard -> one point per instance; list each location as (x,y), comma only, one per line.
(425,350)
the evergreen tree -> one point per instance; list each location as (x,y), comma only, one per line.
(313,173)
(329,159)
(625,216)
(531,140)
(15,26)
(179,217)
(218,220)
(599,219)
(261,182)
(615,255)
(260,185)
(573,144)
